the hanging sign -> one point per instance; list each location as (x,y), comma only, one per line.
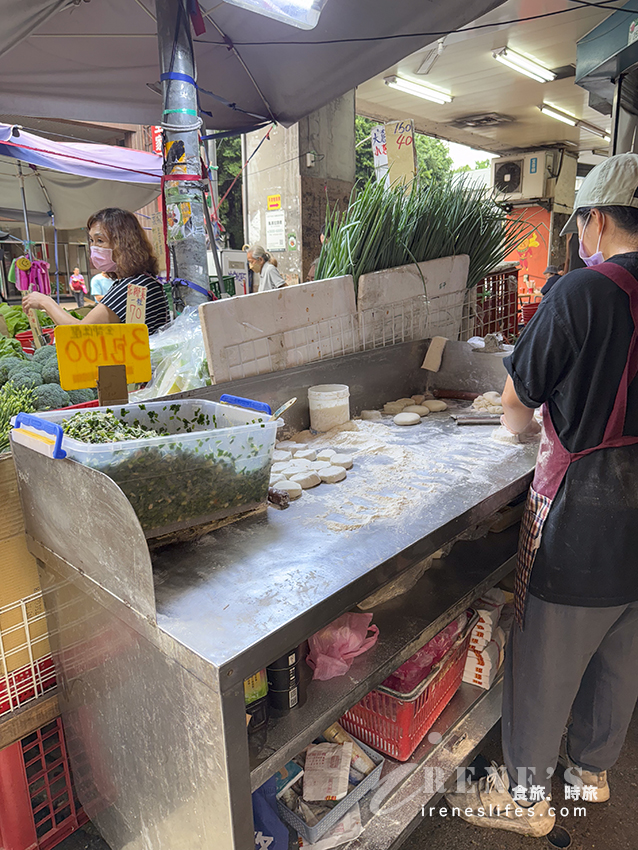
(135,304)
(394,152)
(274,202)
(157,140)
(83,348)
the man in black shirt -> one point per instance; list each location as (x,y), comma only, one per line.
(573,648)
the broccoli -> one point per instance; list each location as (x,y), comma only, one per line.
(50,372)
(6,365)
(25,377)
(50,397)
(81,396)
(42,355)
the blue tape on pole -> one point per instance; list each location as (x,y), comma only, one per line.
(182,78)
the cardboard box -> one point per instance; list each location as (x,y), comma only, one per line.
(23,627)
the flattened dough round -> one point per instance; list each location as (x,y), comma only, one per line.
(305,454)
(326,454)
(371,415)
(342,460)
(293,489)
(421,409)
(307,479)
(435,405)
(393,407)
(407,419)
(332,474)
(280,455)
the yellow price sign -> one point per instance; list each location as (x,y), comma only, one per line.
(82,349)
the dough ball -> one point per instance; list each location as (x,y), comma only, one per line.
(494,398)
(494,408)
(307,479)
(371,415)
(320,464)
(293,468)
(342,460)
(434,405)
(275,477)
(407,419)
(418,399)
(404,401)
(279,467)
(394,407)
(305,454)
(280,455)
(326,454)
(421,409)
(293,488)
(332,474)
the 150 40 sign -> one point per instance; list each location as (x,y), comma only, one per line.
(83,348)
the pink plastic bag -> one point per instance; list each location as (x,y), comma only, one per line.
(333,648)
(413,671)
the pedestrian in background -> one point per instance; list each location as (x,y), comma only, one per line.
(78,287)
(260,262)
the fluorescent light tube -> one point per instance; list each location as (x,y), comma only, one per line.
(559,116)
(523,65)
(418,90)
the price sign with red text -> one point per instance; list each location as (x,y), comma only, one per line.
(135,303)
(83,348)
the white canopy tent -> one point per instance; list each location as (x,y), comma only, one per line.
(69,181)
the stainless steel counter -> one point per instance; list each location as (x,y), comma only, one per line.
(151,652)
(245,594)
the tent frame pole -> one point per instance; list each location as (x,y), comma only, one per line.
(180,122)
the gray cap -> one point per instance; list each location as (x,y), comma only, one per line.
(613,183)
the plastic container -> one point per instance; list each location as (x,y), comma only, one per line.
(329,406)
(212,461)
(38,807)
(25,338)
(312,834)
(396,723)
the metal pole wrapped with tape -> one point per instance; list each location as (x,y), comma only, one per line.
(180,120)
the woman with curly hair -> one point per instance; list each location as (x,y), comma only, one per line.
(120,249)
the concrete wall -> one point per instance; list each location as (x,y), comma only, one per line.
(274,170)
(281,167)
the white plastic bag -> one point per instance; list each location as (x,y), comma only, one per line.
(178,358)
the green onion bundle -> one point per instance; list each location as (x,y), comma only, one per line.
(388,227)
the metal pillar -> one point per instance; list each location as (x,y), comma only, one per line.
(181,150)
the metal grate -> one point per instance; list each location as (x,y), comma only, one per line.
(496,305)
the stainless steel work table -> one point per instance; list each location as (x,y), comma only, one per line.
(159,708)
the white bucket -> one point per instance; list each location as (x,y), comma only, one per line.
(329,406)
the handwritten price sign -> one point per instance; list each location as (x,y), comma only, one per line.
(394,153)
(83,348)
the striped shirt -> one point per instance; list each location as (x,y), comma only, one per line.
(156,304)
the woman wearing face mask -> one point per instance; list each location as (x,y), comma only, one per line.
(573,649)
(120,248)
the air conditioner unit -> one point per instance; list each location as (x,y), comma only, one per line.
(522,177)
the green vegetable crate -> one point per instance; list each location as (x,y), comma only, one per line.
(211,460)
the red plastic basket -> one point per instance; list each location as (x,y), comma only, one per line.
(395,724)
(527,311)
(38,808)
(25,338)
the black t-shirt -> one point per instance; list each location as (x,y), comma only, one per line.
(550,282)
(156,303)
(572,355)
